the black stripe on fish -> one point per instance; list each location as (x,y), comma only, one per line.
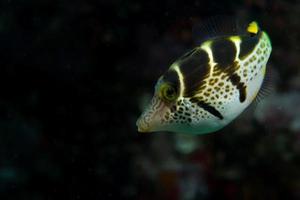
(248,44)
(194,68)
(212,110)
(171,77)
(224,52)
(242,89)
(235,80)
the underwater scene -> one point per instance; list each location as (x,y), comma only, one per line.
(150,100)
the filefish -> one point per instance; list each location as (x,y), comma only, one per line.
(212,84)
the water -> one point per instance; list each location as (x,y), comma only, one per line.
(75,76)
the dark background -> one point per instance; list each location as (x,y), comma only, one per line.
(75,74)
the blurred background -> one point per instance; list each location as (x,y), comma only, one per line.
(75,75)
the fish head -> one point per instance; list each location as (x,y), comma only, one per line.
(157,115)
(169,111)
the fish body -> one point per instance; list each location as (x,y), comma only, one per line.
(208,87)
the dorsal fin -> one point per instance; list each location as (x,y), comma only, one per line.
(217,26)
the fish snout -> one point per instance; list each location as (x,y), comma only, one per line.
(151,118)
(142,125)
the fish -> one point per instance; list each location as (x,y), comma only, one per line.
(212,84)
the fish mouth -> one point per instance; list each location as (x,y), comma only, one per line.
(148,122)
(151,118)
(142,128)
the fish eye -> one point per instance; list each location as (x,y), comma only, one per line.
(168,92)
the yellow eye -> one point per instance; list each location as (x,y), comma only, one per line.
(168,92)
